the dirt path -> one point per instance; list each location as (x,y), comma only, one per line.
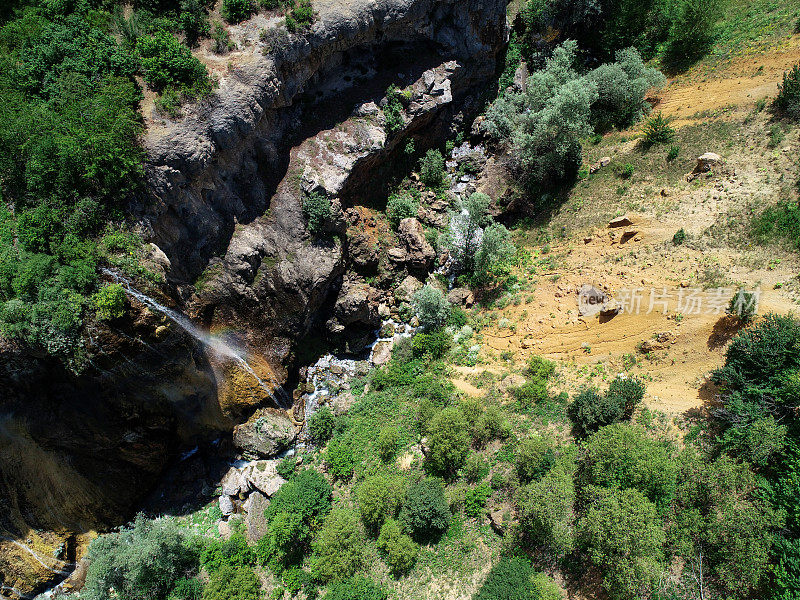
(744,81)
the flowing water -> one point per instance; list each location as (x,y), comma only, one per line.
(214,343)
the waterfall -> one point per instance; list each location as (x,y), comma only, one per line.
(216,344)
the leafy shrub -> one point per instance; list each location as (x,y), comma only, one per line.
(626,171)
(301,16)
(286,467)
(509,579)
(622,456)
(193,20)
(743,305)
(230,583)
(448,441)
(187,589)
(293,515)
(425,512)
(168,63)
(545,511)
(401,206)
(141,562)
(535,456)
(317,210)
(399,549)
(692,32)
(657,130)
(338,548)
(356,588)
(431,169)
(475,500)
(110,302)
(388,438)
(679,237)
(531,393)
(233,552)
(236,11)
(494,255)
(623,536)
(627,392)
(591,410)
(491,424)
(378,498)
(788,99)
(321,425)
(340,458)
(475,468)
(621,89)
(431,307)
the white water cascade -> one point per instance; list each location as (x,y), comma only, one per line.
(216,344)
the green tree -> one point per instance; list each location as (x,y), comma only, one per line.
(623,535)
(692,33)
(388,438)
(535,456)
(321,425)
(509,579)
(431,307)
(293,515)
(425,512)
(401,205)
(590,410)
(546,514)
(399,549)
(623,456)
(495,253)
(338,547)
(448,440)
(379,498)
(110,302)
(141,562)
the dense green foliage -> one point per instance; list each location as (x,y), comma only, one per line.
(657,130)
(677,30)
(229,583)
(293,515)
(141,562)
(399,549)
(321,425)
(169,64)
(401,205)
(425,512)
(448,441)
(509,579)
(356,588)
(591,409)
(544,124)
(236,11)
(338,546)
(378,499)
(779,223)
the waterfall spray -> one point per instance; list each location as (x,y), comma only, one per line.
(217,345)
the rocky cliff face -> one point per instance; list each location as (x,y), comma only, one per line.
(292,115)
(299,114)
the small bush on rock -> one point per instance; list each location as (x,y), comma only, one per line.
(317,210)
(168,63)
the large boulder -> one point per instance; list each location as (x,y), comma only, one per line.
(263,476)
(419,253)
(254,520)
(267,433)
